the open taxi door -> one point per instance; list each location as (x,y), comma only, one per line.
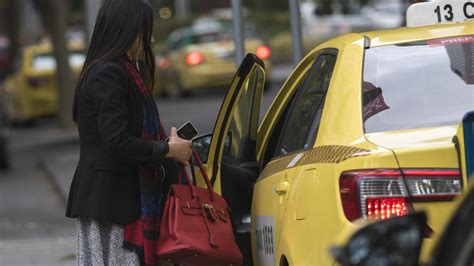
(230,151)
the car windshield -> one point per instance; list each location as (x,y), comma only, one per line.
(45,62)
(418,85)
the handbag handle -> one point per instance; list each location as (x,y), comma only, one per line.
(204,175)
(182,171)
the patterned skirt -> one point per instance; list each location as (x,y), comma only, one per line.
(100,243)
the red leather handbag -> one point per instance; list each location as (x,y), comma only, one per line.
(196,227)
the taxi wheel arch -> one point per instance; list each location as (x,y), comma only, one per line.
(284,261)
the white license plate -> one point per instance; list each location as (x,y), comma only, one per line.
(436,12)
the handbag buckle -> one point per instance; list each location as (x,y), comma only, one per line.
(208,209)
(208,206)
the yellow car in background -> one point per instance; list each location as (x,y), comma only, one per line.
(365,127)
(31,91)
(202,57)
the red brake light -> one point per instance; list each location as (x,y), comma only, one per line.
(381,194)
(263,52)
(384,208)
(194,59)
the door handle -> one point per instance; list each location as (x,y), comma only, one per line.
(282,188)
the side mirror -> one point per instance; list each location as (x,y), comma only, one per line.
(202,144)
(395,241)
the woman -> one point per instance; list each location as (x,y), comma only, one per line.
(117,189)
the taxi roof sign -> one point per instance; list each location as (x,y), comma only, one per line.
(442,11)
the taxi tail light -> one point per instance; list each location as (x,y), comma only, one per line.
(37,82)
(263,52)
(381,194)
(194,58)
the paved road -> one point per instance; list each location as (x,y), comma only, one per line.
(33,229)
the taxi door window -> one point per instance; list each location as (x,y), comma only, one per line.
(303,118)
(242,132)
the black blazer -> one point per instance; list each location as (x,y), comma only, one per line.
(109,115)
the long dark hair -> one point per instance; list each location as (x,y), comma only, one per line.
(119,23)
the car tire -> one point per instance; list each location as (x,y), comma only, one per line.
(179,91)
(4,160)
(185,94)
(28,123)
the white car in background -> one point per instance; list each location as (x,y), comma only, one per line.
(327,26)
(385,14)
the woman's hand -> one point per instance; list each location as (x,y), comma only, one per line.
(179,149)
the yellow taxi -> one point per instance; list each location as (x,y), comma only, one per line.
(31,92)
(202,56)
(365,127)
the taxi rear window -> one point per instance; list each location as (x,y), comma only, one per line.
(418,84)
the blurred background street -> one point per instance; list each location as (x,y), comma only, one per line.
(43,45)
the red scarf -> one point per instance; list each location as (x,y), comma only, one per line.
(141,235)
